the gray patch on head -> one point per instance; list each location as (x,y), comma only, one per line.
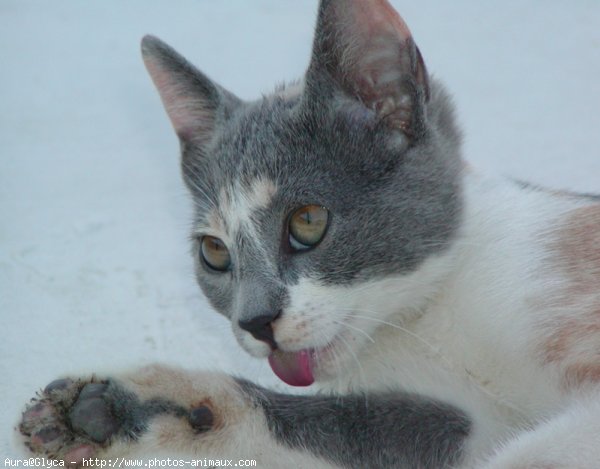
(390,209)
(369,431)
(394,192)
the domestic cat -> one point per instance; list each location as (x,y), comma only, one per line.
(448,319)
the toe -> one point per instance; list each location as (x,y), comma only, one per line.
(47,439)
(58,385)
(78,454)
(46,435)
(37,412)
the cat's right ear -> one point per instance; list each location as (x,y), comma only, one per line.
(364,51)
(193,102)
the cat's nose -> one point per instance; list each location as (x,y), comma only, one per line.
(261,327)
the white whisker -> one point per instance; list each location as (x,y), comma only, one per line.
(361,372)
(355,329)
(436,350)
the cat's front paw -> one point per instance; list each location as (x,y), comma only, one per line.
(69,420)
(72,420)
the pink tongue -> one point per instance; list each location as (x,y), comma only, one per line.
(293,368)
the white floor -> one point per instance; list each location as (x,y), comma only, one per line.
(94,266)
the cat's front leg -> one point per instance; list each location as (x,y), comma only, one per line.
(159,413)
(153,413)
(571,440)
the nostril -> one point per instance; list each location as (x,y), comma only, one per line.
(261,327)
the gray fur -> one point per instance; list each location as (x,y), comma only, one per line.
(132,415)
(378,431)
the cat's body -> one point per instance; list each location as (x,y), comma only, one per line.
(455,318)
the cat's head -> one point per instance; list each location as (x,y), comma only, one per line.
(326,207)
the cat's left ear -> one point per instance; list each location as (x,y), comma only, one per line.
(194,103)
(365,50)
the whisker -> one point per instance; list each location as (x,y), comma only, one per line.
(450,367)
(361,372)
(400,328)
(355,329)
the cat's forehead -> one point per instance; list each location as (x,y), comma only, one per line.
(236,205)
(264,152)
(257,137)
(282,139)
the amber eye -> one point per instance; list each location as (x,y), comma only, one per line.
(307,226)
(215,253)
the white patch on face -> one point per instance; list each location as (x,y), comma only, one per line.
(237,207)
(337,321)
(234,210)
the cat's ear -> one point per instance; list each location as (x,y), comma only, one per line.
(193,102)
(366,50)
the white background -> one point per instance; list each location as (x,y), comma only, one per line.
(95,272)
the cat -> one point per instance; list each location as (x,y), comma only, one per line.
(448,319)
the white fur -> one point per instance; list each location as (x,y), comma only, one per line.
(568,441)
(235,209)
(238,205)
(345,316)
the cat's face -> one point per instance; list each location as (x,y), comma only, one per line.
(324,208)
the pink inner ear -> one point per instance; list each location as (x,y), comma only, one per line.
(190,116)
(378,54)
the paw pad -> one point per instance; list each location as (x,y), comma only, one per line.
(201,418)
(68,420)
(92,416)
